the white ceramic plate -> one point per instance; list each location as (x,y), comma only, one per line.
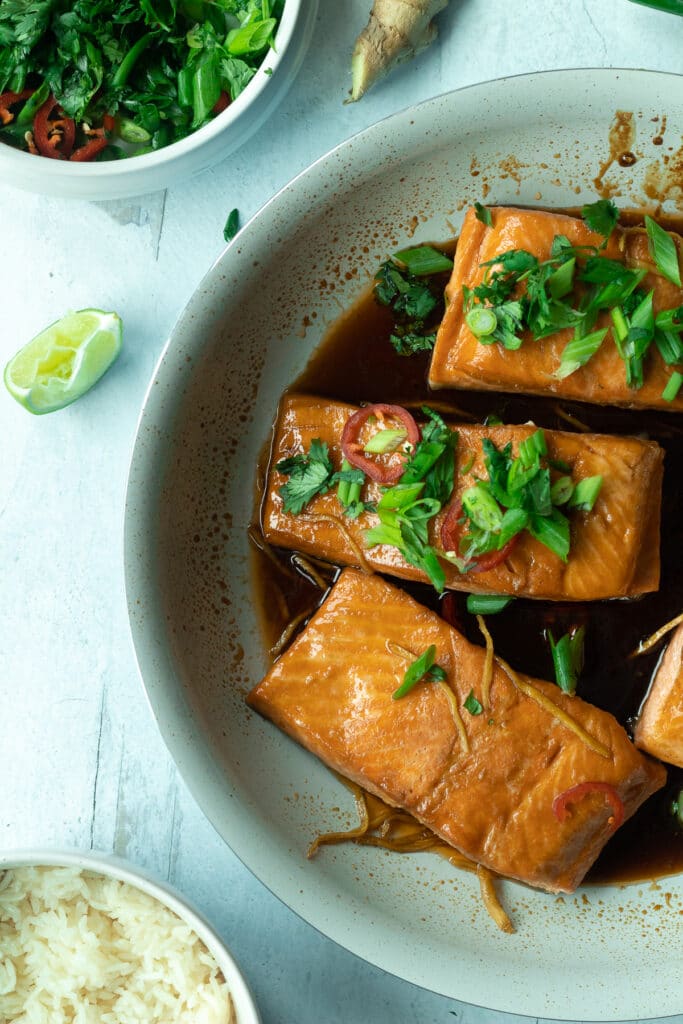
(606,953)
(123,871)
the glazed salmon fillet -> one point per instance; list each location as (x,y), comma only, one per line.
(484,783)
(614,548)
(659,730)
(459,360)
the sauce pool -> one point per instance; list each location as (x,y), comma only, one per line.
(356,363)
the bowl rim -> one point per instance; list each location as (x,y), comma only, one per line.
(113,866)
(15,160)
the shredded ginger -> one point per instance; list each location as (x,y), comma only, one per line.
(80,948)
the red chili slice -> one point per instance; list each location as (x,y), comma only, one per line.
(383,473)
(89,150)
(9,99)
(109,123)
(578,792)
(222,103)
(54,136)
(451,532)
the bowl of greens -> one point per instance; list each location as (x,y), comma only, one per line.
(107,98)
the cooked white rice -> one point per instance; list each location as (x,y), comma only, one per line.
(79,948)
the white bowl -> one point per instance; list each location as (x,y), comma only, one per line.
(153,171)
(114,867)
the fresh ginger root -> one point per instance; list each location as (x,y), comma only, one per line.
(396,31)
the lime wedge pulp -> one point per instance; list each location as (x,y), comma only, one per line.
(64,361)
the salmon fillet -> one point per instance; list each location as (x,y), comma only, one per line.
(489,795)
(614,549)
(659,730)
(459,360)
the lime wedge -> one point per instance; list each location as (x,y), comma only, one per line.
(64,361)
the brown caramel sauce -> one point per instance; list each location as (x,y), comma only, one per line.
(356,363)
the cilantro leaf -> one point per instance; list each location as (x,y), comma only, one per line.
(309,475)
(601,216)
(472,705)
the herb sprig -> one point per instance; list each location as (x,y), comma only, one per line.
(410,283)
(521,294)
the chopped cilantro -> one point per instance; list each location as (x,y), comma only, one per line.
(411,284)
(232,225)
(309,475)
(472,705)
(601,217)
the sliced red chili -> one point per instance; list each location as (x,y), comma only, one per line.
(54,136)
(109,123)
(9,100)
(222,103)
(89,150)
(578,792)
(383,472)
(451,534)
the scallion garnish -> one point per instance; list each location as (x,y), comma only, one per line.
(567,658)
(422,667)
(562,490)
(385,441)
(483,214)
(424,260)
(472,705)
(482,321)
(487,604)
(673,386)
(585,494)
(663,251)
(577,352)
(232,225)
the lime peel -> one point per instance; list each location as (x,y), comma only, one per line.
(64,361)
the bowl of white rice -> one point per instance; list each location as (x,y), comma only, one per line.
(89,939)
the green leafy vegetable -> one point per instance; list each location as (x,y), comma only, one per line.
(487,604)
(411,284)
(483,214)
(160,65)
(232,225)
(567,658)
(601,216)
(309,475)
(472,705)
(423,667)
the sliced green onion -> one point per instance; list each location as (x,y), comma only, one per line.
(552,531)
(482,508)
(663,251)
(232,226)
(472,705)
(206,88)
(673,386)
(483,214)
(670,319)
(385,441)
(532,447)
(400,495)
(33,104)
(561,280)
(418,670)
(562,490)
(130,60)
(467,466)
(620,326)
(578,351)
(568,658)
(670,346)
(482,321)
(424,260)
(585,493)
(487,604)
(129,131)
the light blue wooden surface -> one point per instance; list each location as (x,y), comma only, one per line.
(83,763)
